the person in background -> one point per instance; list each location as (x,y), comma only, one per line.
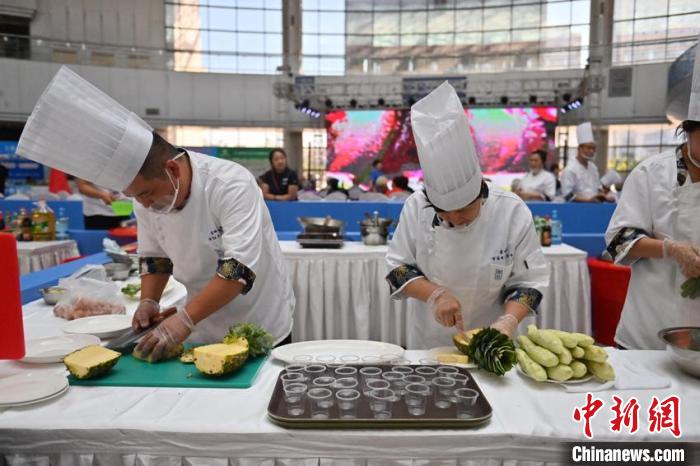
(399,186)
(3,178)
(376,171)
(580,181)
(355,192)
(279,183)
(381,185)
(554,170)
(334,186)
(538,184)
(97,206)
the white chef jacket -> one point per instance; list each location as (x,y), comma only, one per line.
(498,257)
(225,229)
(578,179)
(649,206)
(543,183)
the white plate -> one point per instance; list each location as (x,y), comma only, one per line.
(433,354)
(567,382)
(54,349)
(337,348)
(30,387)
(40,400)
(137,297)
(107,326)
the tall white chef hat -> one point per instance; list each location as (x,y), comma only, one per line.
(445,149)
(694,106)
(78,129)
(584,133)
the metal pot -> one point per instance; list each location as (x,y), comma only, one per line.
(374,236)
(52,294)
(321,224)
(683,345)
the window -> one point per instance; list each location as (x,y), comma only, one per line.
(437,36)
(14,37)
(646,31)
(228,36)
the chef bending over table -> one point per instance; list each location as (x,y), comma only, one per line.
(462,246)
(201,219)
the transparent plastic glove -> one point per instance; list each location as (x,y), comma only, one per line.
(166,336)
(685,254)
(446,309)
(146,310)
(507,324)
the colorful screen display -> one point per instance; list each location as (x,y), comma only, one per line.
(503,137)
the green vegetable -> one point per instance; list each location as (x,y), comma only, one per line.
(577,352)
(545,339)
(530,367)
(579,369)
(691,288)
(601,370)
(131,289)
(492,351)
(565,356)
(566,338)
(538,354)
(560,373)
(583,339)
(595,353)
(259,341)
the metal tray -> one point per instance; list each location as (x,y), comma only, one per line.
(435,418)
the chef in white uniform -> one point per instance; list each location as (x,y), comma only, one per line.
(656,230)
(538,184)
(580,181)
(201,219)
(466,252)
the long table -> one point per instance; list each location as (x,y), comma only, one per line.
(34,256)
(342,293)
(153,426)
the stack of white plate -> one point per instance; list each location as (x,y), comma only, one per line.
(30,388)
(105,326)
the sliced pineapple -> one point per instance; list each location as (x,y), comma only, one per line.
(91,361)
(221,358)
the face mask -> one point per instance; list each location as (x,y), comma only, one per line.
(590,158)
(463,228)
(690,156)
(165,204)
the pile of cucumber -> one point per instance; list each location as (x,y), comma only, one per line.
(547,354)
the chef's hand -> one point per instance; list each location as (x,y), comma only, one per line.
(446,309)
(145,312)
(507,324)
(166,336)
(685,254)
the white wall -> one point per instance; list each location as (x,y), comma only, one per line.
(182,98)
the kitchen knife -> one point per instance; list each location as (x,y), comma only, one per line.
(126,342)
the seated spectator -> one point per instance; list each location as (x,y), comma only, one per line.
(279,183)
(376,171)
(538,184)
(333,185)
(399,186)
(381,185)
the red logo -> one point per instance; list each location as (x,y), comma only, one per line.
(625,416)
(587,412)
(664,415)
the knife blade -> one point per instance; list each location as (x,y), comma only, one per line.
(125,343)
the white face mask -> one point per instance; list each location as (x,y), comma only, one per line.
(462,228)
(165,204)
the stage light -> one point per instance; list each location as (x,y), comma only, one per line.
(381,102)
(472,100)
(329,103)
(533,99)
(504,100)
(573,105)
(353,103)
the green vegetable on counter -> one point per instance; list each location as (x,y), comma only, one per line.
(560,373)
(132,289)
(259,341)
(545,339)
(540,355)
(691,288)
(530,367)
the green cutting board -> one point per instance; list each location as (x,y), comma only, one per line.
(132,372)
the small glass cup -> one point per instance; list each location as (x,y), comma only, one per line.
(325,359)
(460,379)
(320,401)
(294,395)
(466,401)
(324,382)
(349,359)
(428,362)
(426,371)
(371,360)
(400,362)
(314,370)
(303,359)
(396,381)
(292,377)
(417,398)
(405,370)
(381,403)
(345,382)
(413,378)
(444,388)
(369,373)
(444,371)
(375,384)
(346,371)
(347,401)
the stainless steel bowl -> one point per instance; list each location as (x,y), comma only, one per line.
(374,236)
(52,294)
(321,224)
(380,221)
(683,345)
(117,271)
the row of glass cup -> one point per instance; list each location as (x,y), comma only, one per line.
(331,360)
(317,384)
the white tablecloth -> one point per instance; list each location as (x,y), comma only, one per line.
(154,426)
(39,255)
(342,293)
